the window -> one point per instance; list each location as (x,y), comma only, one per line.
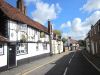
(90,34)
(42,34)
(44,46)
(94,30)
(98,27)
(23,36)
(37,47)
(1,49)
(22,48)
(36,32)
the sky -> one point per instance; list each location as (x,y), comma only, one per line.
(72,17)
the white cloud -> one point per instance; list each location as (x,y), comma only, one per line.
(65,35)
(66,24)
(92,19)
(91,5)
(80,28)
(27,2)
(44,11)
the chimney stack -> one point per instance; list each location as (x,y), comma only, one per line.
(49,27)
(21,7)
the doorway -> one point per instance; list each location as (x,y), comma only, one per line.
(11,55)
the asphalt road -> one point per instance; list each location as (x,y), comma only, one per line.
(80,66)
(72,64)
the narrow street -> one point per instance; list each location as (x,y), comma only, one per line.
(71,64)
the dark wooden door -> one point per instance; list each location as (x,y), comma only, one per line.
(11,55)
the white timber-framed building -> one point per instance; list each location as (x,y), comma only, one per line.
(27,39)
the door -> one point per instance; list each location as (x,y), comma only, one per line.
(11,55)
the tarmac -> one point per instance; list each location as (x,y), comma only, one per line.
(94,60)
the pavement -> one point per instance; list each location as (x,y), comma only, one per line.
(94,60)
(24,69)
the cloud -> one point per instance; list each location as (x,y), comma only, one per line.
(80,28)
(44,11)
(65,35)
(92,19)
(66,24)
(27,2)
(91,5)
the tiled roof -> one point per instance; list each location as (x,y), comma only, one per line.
(14,14)
(73,41)
(3,39)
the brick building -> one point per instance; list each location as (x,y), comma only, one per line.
(93,39)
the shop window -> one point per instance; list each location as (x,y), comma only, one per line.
(22,48)
(1,49)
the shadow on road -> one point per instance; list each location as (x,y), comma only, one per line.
(60,65)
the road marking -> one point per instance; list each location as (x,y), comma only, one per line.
(65,71)
(70,60)
(69,63)
(91,63)
(37,67)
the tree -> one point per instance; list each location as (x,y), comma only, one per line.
(64,40)
(82,43)
(58,32)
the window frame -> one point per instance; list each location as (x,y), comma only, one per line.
(2,49)
(20,51)
(44,46)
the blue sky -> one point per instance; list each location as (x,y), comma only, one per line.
(72,17)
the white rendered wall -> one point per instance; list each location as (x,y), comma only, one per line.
(57,48)
(33,52)
(12,26)
(92,47)
(3,58)
(87,45)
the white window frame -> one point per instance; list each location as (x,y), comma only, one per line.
(44,46)
(2,49)
(21,50)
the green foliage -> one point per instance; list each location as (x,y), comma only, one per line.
(42,34)
(58,32)
(64,40)
(23,38)
(82,43)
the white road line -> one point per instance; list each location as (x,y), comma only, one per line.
(26,72)
(70,60)
(65,71)
(92,63)
(69,63)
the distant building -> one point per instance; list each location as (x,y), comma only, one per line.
(56,41)
(57,44)
(72,44)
